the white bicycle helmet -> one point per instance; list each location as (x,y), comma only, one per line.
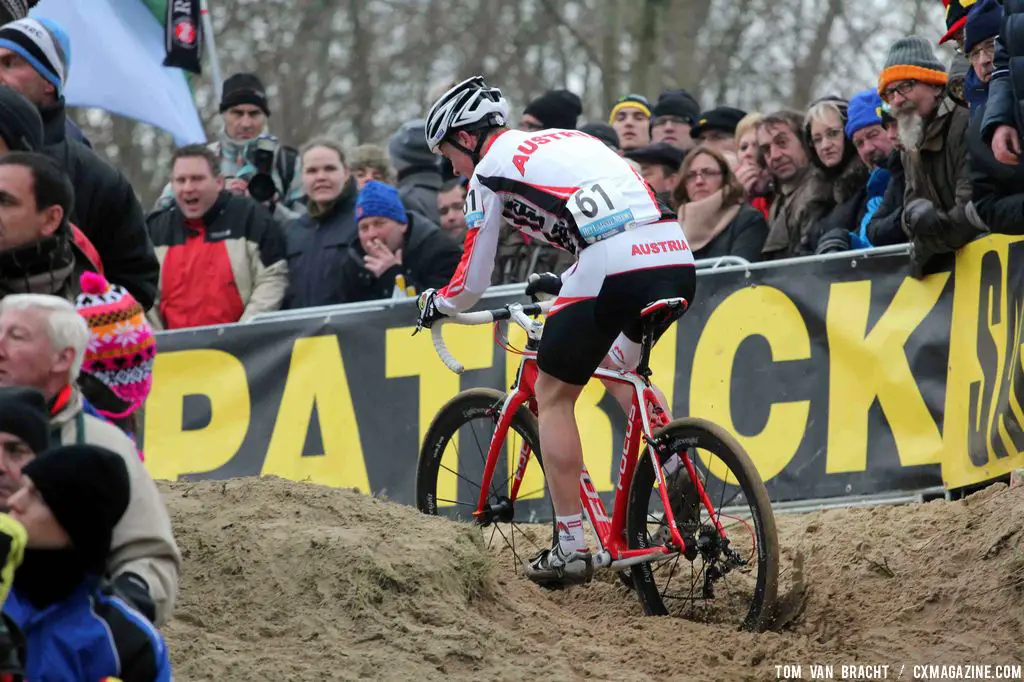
(470,105)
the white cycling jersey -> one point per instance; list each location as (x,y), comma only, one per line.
(563,187)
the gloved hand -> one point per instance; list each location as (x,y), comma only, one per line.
(429,314)
(833,241)
(543,283)
(135,590)
(13,539)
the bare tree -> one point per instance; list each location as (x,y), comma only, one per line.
(358,69)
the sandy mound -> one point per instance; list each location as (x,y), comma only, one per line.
(298,582)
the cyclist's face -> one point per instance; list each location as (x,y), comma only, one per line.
(461,161)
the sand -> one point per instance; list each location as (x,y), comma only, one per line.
(292,581)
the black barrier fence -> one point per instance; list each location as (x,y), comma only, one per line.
(840,375)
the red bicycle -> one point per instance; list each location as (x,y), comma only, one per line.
(691,530)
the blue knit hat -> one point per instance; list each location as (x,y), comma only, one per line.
(43,44)
(865,110)
(983,22)
(377,200)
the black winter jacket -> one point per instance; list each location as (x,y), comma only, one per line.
(429,259)
(106,210)
(1006,89)
(998,189)
(886,227)
(317,249)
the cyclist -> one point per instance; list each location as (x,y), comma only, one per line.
(570,190)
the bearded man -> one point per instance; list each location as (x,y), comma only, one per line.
(932,134)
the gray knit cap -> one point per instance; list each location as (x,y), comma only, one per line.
(912,58)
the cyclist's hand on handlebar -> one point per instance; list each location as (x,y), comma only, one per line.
(429,314)
(543,283)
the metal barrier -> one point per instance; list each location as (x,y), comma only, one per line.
(704,267)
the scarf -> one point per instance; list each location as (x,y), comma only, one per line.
(41,268)
(705,219)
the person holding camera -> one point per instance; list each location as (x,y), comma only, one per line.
(253,162)
(222,256)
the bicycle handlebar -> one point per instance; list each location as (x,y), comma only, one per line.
(516,312)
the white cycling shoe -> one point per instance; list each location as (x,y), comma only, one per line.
(553,568)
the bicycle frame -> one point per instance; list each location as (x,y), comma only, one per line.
(610,531)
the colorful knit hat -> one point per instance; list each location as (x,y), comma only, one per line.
(956,17)
(121,344)
(912,58)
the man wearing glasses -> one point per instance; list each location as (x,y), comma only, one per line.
(932,131)
(979,45)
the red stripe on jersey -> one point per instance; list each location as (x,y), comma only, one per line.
(458,281)
(563,303)
(560,192)
(487,145)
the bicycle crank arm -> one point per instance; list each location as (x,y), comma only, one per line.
(604,559)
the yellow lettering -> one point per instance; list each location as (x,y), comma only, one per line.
(867,365)
(767,312)
(316,377)
(172,451)
(413,356)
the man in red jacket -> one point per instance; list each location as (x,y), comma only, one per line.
(222,256)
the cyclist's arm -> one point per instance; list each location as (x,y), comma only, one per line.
(473,274)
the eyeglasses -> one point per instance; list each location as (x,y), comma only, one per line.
(702,173)
(902,87)
(988,47)
(678,120)
(830,134)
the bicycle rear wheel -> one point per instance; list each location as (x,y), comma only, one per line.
(719,579)
(451,467)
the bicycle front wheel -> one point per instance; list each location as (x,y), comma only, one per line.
(729,573)
(451,466)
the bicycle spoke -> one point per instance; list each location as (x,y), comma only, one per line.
(483,458)
(457,474)
(464,504)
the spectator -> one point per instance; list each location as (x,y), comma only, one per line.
(932,129)
(392,243)
(13,10)
(451,201)
(222,255)
(631,117)
(659,165)
(997,180)
(34,54)
(37,249)
(419,175)
(318,243)
(713,211)
(834,154)
(1002,122)
(70,502)
(21,130)
(980,33)
(603,132)
(750,170)
(717,129)
(245,110)
(370,162)
(846,226)
(553,109)
(117,371)
(802,195)
(675,112)
(42,346)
